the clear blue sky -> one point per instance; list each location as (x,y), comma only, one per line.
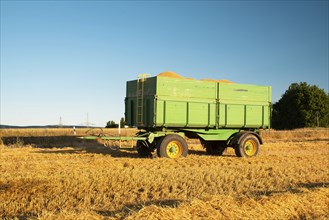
(69,58)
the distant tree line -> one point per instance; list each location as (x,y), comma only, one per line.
(302,105)
(112,124)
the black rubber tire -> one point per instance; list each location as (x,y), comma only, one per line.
(248,146)
(216,148)
(153,147)
(172,146)
(143,149)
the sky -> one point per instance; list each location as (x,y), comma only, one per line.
(66,60)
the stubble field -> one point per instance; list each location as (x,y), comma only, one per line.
(50,174)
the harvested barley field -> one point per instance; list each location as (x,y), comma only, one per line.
(53,175)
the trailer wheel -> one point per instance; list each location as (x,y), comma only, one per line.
(248,146)
(143,149)
(172,146)
(216,148)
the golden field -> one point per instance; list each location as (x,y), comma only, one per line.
(51,174)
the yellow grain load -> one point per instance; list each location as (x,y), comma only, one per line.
(219,80)
(175,75)
(170,74)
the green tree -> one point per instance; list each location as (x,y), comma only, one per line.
(302,105)
(122,122)
(111,124)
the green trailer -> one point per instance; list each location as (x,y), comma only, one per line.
(220,115)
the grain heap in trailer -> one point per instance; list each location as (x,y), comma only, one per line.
(167,108)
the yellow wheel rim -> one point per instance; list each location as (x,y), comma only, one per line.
(250,148)
(174,149)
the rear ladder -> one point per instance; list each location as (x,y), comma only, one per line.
(140,99)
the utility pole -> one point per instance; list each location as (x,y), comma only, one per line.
(87,122)
(60,122)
